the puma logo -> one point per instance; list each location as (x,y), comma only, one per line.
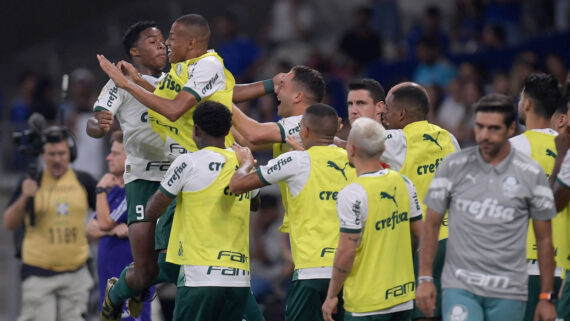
(550,153)
(336,167)
(471,178)
(431,139)
(390,197)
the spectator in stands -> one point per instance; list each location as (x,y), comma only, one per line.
(240,53)
(433,68)
(361,44)
(430,27)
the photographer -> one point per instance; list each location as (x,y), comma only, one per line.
(55,279)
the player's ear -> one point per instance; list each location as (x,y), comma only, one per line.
(134,52)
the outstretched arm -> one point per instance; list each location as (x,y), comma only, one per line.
(245,92)
(171,109)
(254,131)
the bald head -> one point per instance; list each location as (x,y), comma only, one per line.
(409,101)
(321,120)
(367,136)
(196,26)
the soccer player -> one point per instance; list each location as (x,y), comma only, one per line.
(416,148)
(313,177)
(210,231)
(376,214)
(145,166)
(296,91)
(560,181)
(484,276)
(366,98)
(538,101)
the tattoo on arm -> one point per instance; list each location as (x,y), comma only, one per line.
(353,239)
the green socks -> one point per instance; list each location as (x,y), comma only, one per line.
(121,291)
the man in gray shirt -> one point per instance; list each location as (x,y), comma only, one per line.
(491,191)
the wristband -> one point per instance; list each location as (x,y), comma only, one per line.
(425,279)
(549,296)
(268,86)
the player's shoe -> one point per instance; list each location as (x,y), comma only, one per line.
(135,304)
(110,311)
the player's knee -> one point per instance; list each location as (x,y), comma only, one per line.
(144,276)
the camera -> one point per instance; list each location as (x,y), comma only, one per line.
(28,142)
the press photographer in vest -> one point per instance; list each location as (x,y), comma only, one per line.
(55,279)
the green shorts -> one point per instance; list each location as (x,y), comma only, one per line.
(437,269)
(533,294)
(305,300)
(252,311)
(163,227)
(563,308)
(396,316)
(168,272)
(210,303)
(138,192)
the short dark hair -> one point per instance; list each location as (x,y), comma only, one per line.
(117,136)
(322,119)
(133,34)
(213,118)
(543,89)
(372,86)
(195,20)
(497,103)
(311,80)
(412,97)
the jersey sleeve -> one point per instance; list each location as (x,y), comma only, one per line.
(289,126)
(415,208)
(110,98)
(542,205)
(454,142)
(395,149)
(205,77)
(438,195)
(352,208)
(175,177)
(281,168)
(521,143)
(563,177)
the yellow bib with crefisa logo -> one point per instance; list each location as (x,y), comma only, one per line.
(543,151)
(385,248)
(313,221)
(181,129)
(211,226)
(427,146)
